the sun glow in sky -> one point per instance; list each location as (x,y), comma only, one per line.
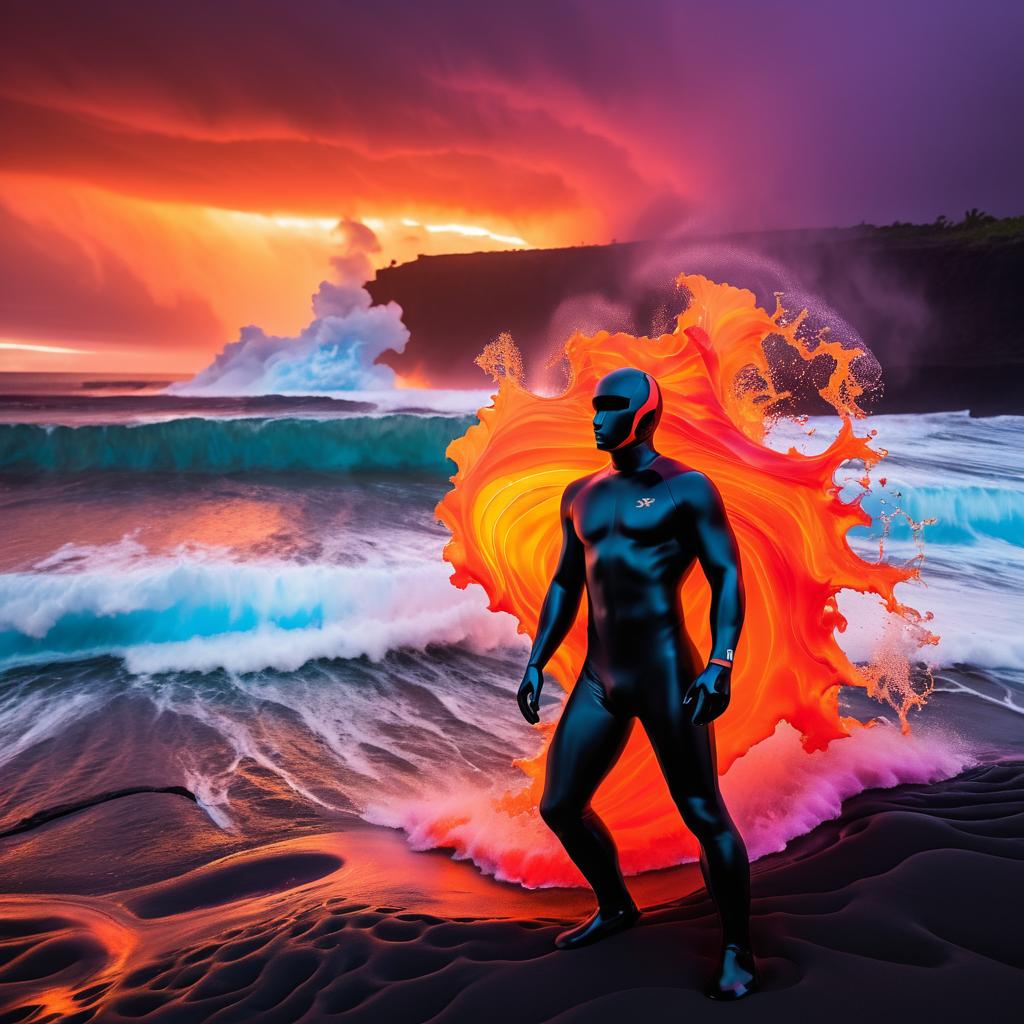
(470,231)
(24,346)
(173,171)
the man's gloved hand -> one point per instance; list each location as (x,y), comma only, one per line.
(529,694)
(708,694)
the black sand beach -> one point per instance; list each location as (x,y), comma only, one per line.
(907,907)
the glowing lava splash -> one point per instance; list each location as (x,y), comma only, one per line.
(791,525)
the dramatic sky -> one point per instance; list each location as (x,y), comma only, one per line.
(172,170)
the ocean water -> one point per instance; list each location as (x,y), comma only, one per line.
(246,597)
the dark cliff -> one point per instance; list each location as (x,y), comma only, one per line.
(938,305)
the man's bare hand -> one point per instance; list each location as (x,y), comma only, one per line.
(708,694)
(529,694)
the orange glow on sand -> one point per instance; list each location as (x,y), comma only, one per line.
(784,507)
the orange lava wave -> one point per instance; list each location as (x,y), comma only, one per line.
(785,508)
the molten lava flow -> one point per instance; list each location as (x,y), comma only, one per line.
(785,508)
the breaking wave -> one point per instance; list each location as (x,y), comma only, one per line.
(187,614)
(400,441)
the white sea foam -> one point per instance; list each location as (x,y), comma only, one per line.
(775,792)
(197,613)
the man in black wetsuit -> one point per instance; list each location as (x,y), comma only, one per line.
(630,533)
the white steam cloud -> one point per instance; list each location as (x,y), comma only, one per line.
(335,352)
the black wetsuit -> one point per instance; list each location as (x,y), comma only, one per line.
(629,538)
(630,533)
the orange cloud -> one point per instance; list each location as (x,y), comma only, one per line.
(139,135)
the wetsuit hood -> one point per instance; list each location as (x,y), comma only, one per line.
(627,408)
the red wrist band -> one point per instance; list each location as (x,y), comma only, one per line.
(720,661)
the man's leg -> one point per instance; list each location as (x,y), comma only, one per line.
(686,753)
(588,740)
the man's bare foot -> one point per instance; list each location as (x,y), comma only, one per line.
(737,974)
(599,925)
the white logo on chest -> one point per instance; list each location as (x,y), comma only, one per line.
(644,502)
